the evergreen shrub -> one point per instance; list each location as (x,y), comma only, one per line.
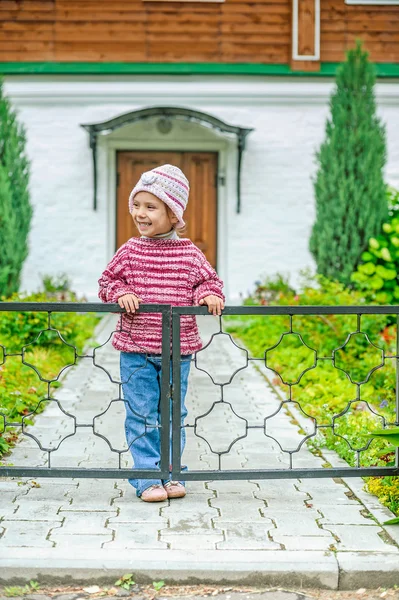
(349,187)
(15,207)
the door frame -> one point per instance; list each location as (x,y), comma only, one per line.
(107,189)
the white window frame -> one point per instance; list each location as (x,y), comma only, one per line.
(373,2)
(295,55)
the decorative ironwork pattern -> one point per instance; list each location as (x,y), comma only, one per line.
(48,447)
(201,424)
(266,360)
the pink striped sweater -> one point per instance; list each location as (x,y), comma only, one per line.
(159,271)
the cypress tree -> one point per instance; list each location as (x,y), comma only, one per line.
(7,231)
(14,180)
(351,202)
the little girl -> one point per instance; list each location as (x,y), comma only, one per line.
(157,268)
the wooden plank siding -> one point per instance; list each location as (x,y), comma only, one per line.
(231,32)
(342,24)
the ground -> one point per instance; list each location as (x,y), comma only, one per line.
(197,592)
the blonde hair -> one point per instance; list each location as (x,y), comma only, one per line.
(180,232)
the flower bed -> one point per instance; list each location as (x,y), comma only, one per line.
(326,391)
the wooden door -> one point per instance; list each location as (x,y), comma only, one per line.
(200,216)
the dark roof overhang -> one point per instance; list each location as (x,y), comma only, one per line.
(186,114)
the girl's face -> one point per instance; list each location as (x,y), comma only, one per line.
(151,216)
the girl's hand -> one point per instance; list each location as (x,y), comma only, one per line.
(130,302)
(215,304)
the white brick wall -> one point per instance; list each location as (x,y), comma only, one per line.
(271,233)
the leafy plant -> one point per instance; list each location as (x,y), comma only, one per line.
(13,591)
(158,585)
(56,283)
(394,521)
(269,290)
(391,435)
(126,581)
(378,273)
(351,202)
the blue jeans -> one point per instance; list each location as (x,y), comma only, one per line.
(141,384)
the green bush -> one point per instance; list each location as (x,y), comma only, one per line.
(378,273)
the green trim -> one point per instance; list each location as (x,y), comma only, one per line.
(118,68)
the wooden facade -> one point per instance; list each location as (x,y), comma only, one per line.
(233,31)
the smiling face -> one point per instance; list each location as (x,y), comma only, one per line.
(151,216)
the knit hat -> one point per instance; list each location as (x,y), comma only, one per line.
(169,184)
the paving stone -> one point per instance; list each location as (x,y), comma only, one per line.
(360,538)
(303,523)
(199,487)
(189,523)
(189,505)
(67,482)
(139,512)
(134,535)
(192,542)
(28,457)
(332,497)
(295,503)
(344,514)
(247,536)
(279,489)
(49,491)
(27,534)
(32,510)
(89,496)
(82,522)
(12,486)
(233,487)
(80,541)
(304,542)
(239,510)
(8,510)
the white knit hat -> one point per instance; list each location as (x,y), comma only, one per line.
(169,184)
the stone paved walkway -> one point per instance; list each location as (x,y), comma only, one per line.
(315,531)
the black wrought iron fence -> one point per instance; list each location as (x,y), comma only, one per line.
(221,422)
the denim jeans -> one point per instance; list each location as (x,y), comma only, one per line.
(141,384)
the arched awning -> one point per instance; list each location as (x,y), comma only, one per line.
(167,112)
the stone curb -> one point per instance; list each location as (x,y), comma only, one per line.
(313,569)
(310,569)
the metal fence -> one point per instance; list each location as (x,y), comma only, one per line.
(169,424)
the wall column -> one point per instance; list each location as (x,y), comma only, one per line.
(305,55)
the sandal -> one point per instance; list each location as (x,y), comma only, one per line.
(155,493)
(174,489)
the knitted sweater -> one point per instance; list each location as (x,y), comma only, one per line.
(159,271)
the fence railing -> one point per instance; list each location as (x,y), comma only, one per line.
(220,411)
